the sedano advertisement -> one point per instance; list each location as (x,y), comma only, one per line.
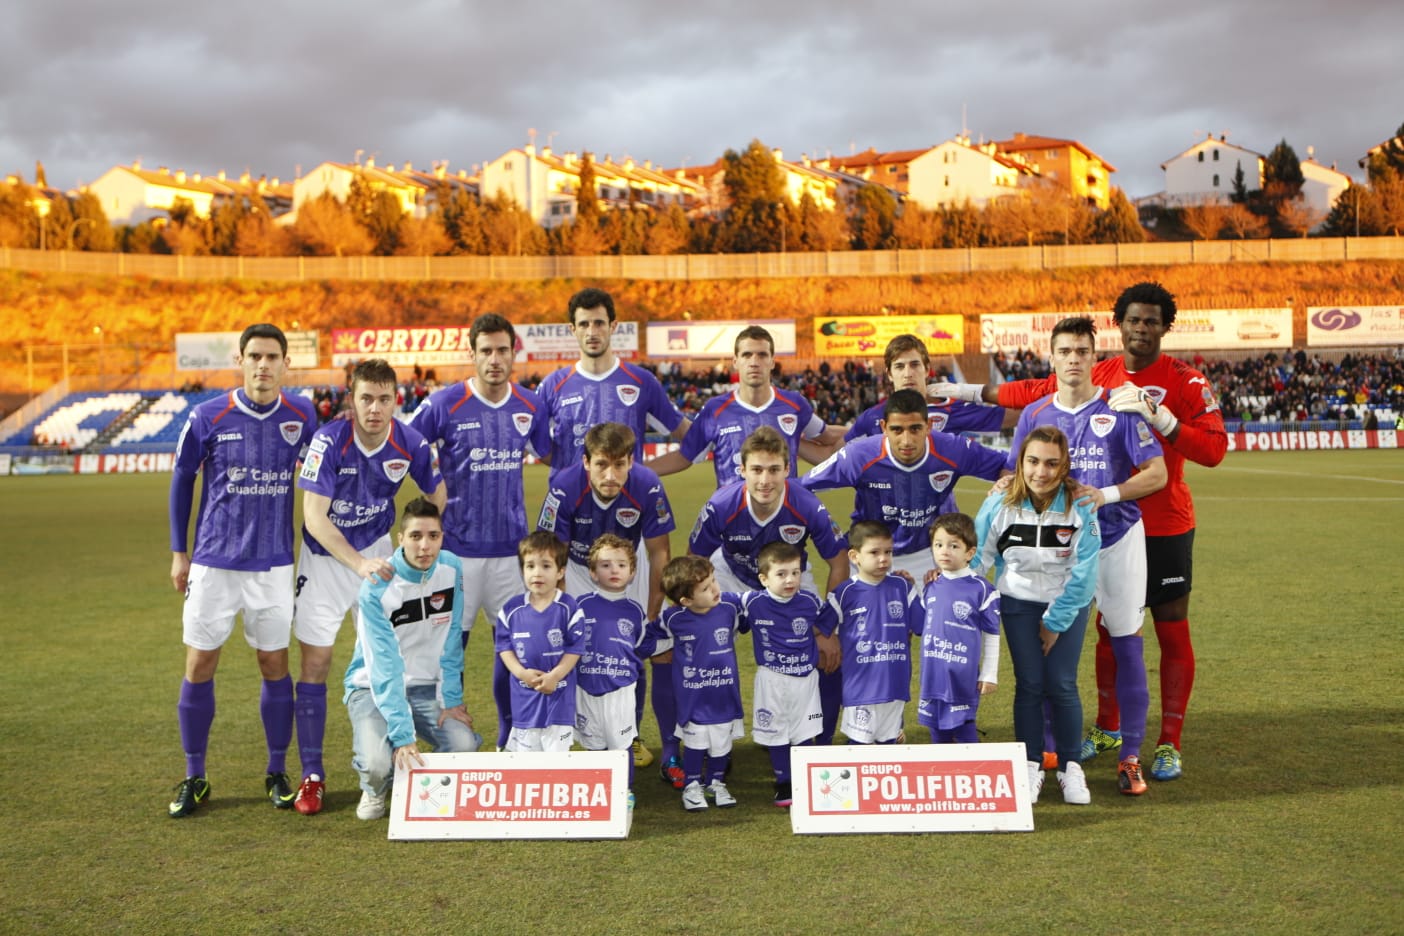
(857,336)
(579,794)
(911,788)
(1354,326)
(1193,330)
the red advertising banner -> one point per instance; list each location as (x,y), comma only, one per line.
(1313,439)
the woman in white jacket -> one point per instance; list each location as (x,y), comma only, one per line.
(1043,545)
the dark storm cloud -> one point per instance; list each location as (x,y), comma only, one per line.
(270,88)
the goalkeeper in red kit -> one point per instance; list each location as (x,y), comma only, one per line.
(1180,405)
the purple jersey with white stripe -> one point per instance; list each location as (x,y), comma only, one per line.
(946,415)
(248,458)
(725,422)
(726,521)
(482,447)
(540,639)
(576,402)
(362,484)
(612,630)
(874,624)
(573,512)
(1104,447)
(706,678)
(904,497)
(957,609)
(782,629)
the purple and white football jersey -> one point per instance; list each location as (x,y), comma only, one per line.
(576,401)
(874,624)
(612,630)
(574,513)
(957,610)
(725,422)
(946,415)
(726,521)
(1104,447)
(482,447)
(905,497)
(540,639)
(248,456)
(362,484)
(706,678)
(782,629)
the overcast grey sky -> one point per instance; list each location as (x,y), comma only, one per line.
(269,87)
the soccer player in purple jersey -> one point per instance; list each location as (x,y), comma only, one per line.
(727,420)
(349,479)
(246,446)
(484,428)
(540,640)
(959,635)
(786,708)
(701,627)
(601,388)
(740,519)
(613,628)
(905,477)
(875,614)
(1115,458)
(908,366)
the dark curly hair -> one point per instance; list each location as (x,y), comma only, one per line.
(1146,294)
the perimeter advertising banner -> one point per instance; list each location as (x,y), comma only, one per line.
(554,341)
(449,344)
(580,794)
(713,339)
(911,788)
(1354,326)
(1194,330)
(202,351)
(857,336)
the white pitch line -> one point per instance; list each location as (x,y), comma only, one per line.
(1311,475)
(1300,500)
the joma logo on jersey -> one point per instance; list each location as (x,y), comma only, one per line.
(627,516)
(789,422)
(791,533)
(940,480)
(230,437)
(1102,424)
(522,421)
(395,468)
(627,395)
(291,430)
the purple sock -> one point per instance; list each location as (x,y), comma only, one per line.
(830,701)
(966,733)
(1048,743)
(502,698)
(780,762)
(716,768)
(665,708)
(310,713)
(692,764)
(1132,693)
(275,704)
(195,711)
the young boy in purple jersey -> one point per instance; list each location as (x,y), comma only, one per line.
(1115,458)
(601,388)
(905,477)
(908,366)
(740,519)
(700,627)
(246,446)
(959,635)
(349,480)
(612,493)
(539,641)
(613,628)
(875,614)
(728,419)
(786,709)
(484,428)
(406,676)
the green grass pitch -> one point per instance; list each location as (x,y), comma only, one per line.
(1288,818)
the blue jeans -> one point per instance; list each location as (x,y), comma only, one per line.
(1037,676)
(373,757)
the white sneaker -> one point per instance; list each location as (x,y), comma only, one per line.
(370,807)
(721,794)
(1035,780)
(1074,785)
(693,798)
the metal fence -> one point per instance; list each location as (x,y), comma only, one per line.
(706,266)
